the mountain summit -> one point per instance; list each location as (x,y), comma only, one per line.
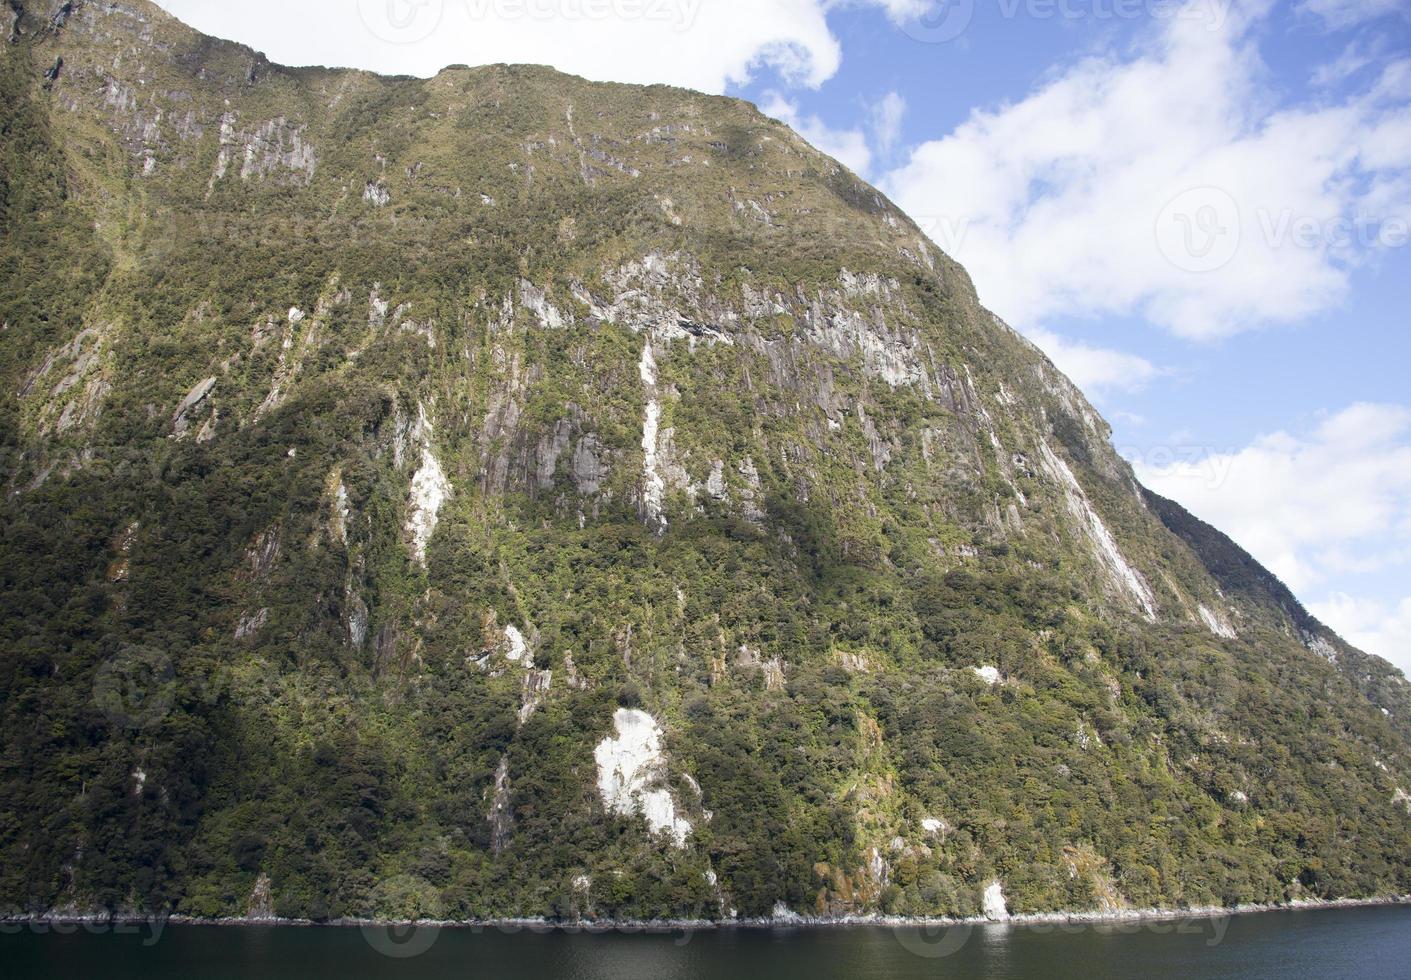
(500,494)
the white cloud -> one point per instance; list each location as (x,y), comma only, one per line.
(1355,57)
(848,146)
(886,121)
(700,44)
(900,11)
(1094,369)
(1334,501)
(1170,185)
(1370,625)
(1347,13)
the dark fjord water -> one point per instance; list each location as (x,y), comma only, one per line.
(1361,943)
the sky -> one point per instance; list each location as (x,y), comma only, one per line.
(1200,209)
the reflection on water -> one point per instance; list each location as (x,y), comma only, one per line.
(1361,943)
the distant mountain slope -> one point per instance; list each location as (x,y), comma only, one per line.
(1239,574)
(502,494)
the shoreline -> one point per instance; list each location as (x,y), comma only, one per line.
(545,926)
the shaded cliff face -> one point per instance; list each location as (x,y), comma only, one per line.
(503,494)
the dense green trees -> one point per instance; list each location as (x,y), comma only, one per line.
(219,660)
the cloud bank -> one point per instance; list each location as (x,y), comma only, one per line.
(1170,185)
(1323,506)
(700,44)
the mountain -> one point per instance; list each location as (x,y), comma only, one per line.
(502,494)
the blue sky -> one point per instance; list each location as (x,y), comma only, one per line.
(1200,208)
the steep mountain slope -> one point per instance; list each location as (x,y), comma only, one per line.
(504,494)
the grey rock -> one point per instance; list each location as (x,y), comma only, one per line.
(589,470)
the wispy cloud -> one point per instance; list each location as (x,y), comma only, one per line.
(1378,627)
(702,44)
(848,146)
(1348,13)
(887,116)
(1333,500)
(1356,56)
(1168,184)
(1096,370)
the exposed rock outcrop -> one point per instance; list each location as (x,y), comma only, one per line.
(632,773)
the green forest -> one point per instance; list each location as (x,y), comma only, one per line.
(248,314)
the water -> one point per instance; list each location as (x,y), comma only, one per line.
(1361,943)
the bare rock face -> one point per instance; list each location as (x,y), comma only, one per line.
(194,399)
(1124,577)
(251,623)
(262,552)
(536,690)
(430,489)
(994,904)
(589,469)
(631,773)
(474,466)
(501,819)
(273,149)
(550,449)
(429,492)
(260,905)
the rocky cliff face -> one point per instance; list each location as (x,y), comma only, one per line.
(588,499)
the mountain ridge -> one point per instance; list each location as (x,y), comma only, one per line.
(385,454)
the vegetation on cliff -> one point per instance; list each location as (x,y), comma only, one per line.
(689,421)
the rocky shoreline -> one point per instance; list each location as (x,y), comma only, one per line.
(791,921)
